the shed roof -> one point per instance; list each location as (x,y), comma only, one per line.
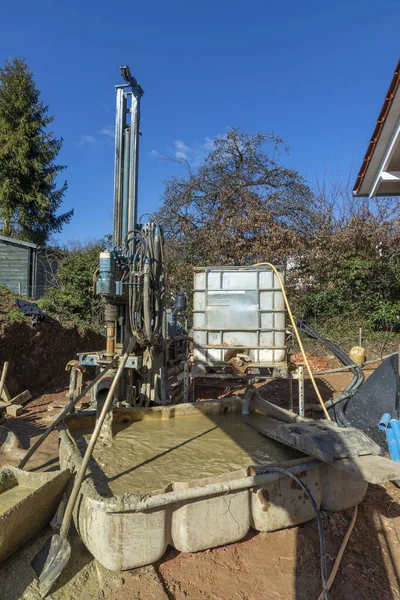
(379,174)
(17,242)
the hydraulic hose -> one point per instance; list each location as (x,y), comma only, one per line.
(357,380)
(275,270)
(325,584)
(146,302)
(358,375)
(146,285)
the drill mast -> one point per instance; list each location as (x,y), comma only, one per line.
(131,275)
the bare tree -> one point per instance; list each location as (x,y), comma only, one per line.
(241,206)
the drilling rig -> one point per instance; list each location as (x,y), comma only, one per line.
(131,275)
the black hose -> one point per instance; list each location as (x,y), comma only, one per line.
(336,404)
(146,285)
(338,352)
(358,375)
(318,517)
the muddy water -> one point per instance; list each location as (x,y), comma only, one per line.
(149,454)
(10,497)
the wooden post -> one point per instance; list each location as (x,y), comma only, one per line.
(3,378)
(72,382)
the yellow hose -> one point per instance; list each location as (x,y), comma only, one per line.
(297,334)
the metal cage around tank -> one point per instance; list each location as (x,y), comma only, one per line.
(239,310)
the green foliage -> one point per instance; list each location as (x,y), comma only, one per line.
(16,315)
(357,285)
(74,293)
(29,196)
(8,308)
(386,316)
(324,303)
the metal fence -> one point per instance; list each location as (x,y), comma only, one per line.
(21,288)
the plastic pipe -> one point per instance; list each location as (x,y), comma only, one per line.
(136,504)
(384,422)
(392,445)
(395,425)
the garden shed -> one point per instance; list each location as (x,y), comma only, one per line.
(26,268)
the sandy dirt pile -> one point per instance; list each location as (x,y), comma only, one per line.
(38,354)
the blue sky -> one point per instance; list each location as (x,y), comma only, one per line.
(313,72)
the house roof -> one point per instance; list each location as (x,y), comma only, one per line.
(379,174)
(17,242)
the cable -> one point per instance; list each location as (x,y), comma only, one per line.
(339,556)
(297,335)
(351,365)
(146,214)
(325,583)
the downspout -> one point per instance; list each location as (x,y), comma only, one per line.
(36,252)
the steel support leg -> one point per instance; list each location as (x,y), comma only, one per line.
(301,390)
(290,391)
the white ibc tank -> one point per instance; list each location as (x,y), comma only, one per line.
(237,308)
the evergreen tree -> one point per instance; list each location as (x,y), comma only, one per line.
(29,195)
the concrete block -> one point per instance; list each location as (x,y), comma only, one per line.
(28,502)
(22,398)
(14,410)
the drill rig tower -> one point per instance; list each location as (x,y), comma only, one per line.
(131,278)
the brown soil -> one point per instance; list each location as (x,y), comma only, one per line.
(273,566)
(285,564)
(316,362)
(37,354)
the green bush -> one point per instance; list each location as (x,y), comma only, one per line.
(322,304)
(74,292)
(357,285)
(386,316)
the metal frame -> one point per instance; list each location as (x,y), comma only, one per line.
(93,359)
(259,329)
(127,132)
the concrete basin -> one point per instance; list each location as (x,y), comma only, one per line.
(193,483)
(28,501)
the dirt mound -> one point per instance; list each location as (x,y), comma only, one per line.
(36,355)
(8,307)
(316,362)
